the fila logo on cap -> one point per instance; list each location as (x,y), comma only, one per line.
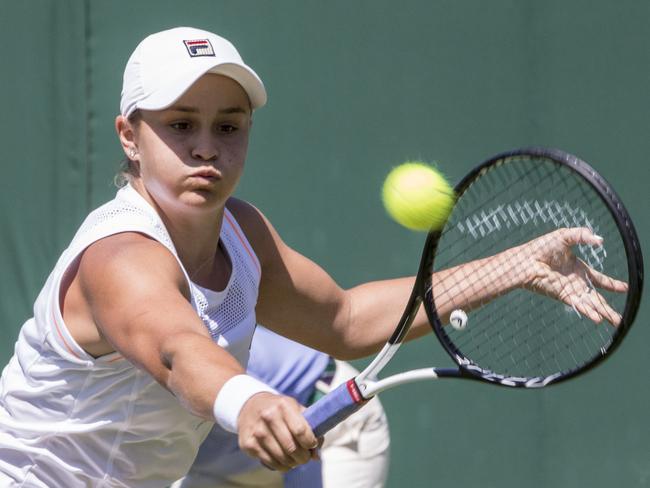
(199,47)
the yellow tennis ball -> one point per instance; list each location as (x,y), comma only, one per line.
(417,196)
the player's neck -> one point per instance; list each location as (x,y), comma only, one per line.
(196,240)
(194,230)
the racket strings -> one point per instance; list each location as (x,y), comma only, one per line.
(523,333)
(559,222)
(544,347)
(542,341)
(479,208)
(465,283)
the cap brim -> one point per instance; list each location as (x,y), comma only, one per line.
(168,94)
(248,80)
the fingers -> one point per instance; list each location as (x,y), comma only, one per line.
(598,303)
(302,433)
(582,308)
(276,432)
(595,300)
(593,305)
(605,282)
(580,235)
(573,281)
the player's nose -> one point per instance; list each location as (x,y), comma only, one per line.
(205,148)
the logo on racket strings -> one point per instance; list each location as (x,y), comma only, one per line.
(505,217)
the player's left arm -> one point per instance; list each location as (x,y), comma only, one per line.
(354,323)
(299,300)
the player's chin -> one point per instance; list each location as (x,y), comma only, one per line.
(202,196)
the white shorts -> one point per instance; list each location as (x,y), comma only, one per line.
(355,453)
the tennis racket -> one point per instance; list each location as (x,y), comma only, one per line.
(522,338)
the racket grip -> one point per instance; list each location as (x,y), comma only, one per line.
(334,407)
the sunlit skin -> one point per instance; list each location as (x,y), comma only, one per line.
(127,293)
(192,154)
(191,157)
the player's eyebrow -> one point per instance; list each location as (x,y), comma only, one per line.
(226,110)
(233,110)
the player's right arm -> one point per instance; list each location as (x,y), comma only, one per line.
(130,291)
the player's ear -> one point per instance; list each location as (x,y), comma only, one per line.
(126,133)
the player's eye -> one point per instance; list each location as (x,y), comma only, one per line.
(180,126)
(227,128)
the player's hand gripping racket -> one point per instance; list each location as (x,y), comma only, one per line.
(541,211)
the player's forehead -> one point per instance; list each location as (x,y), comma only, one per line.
(213,92)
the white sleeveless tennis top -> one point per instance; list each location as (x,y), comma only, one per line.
(69,420)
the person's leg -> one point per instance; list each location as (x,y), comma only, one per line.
(355,453)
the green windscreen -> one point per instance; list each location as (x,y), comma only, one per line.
(355,88)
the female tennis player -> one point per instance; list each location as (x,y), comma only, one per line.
(140,335)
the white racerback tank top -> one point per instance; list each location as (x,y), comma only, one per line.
(70,420)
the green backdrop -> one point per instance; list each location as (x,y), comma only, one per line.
(355,87)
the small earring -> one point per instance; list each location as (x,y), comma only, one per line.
(132,153)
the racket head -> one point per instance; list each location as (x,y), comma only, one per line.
(523,339)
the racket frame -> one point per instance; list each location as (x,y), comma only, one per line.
(353,394)
(469,369)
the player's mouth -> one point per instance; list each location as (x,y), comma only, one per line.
(207,174)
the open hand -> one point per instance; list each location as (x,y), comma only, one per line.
(558,273)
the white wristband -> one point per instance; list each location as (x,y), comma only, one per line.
(232,396)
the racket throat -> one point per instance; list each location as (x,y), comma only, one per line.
(369,375)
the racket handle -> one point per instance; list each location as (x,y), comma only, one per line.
(334,407)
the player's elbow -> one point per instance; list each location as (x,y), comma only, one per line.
(349,355)
(351,341)
(351,349)
(349,345)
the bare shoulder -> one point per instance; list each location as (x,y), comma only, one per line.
(129,260)
(137,296)
(258,229)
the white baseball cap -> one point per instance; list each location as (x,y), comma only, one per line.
(167,63)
